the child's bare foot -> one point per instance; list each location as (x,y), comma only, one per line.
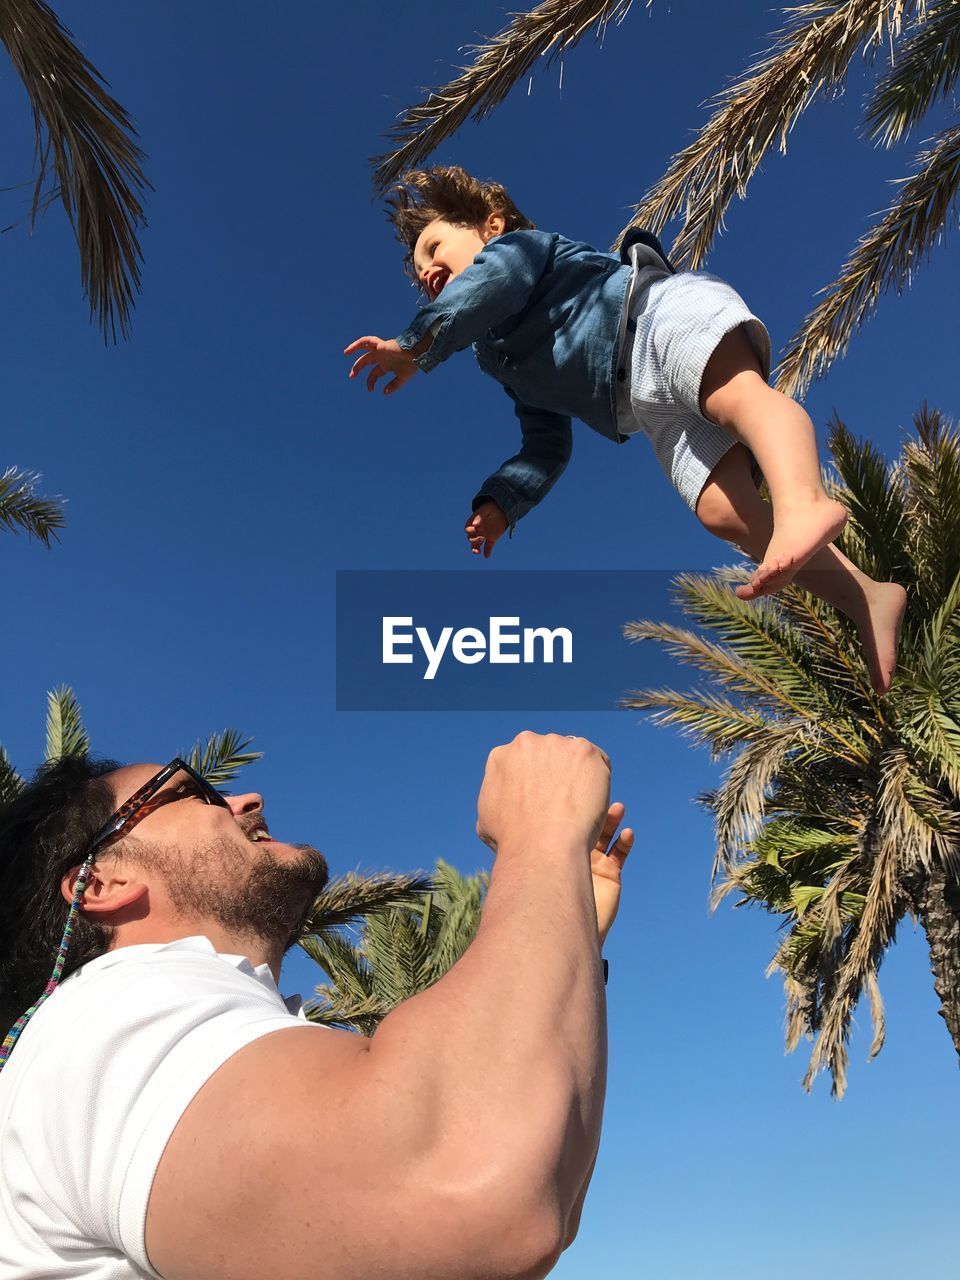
(798,534)
(879,628)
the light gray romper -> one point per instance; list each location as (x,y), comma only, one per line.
(673,325)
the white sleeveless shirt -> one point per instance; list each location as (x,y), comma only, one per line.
(94,1088)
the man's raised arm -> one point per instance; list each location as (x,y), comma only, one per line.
(456,1142)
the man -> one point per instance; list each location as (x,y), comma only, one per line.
(154,1121)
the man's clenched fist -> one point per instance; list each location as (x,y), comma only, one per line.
(544,786)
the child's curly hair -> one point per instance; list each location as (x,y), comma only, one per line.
(449,192)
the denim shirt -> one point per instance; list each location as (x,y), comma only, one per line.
(544,317)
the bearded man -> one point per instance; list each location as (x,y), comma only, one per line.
(154,1121)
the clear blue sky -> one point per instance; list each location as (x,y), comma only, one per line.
(220,468)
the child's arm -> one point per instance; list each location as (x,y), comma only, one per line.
(496,285)
(520,482)
(382,356)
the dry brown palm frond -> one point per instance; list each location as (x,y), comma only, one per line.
(887,255)
(801,998)
(877,1016)
(874,933)
(550,29)
(811,56)
(829,909)
(85,137)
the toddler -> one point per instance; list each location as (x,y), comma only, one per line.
(628,346)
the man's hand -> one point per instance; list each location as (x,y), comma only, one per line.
(540,788)
(485,526)
(606,864)
(382,356)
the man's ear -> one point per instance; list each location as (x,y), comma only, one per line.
(109,887)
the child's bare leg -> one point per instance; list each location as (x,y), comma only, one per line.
(730,507)
(781,437)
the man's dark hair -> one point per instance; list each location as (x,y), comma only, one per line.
(448,192)
(44,831)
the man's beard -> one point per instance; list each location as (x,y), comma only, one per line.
(268,898)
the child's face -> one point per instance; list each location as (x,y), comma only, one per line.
(443,250)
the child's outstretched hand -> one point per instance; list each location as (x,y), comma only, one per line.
(606,863)
(382,356)
(485,526)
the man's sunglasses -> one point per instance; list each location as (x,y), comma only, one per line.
(125,817)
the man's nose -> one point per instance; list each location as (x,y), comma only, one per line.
(250,802)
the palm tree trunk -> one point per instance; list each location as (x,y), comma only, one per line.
(938,901)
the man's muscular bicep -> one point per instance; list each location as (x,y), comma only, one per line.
(228,1167)
(294,1133)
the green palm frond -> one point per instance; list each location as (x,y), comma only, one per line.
(714,659)
(397,953)
(887,255)
(923,72)
(22,508)
(11,784)
(833,660)
(704,717)
(343,960)
(348,1000)
(924,825)
(758,683)
(346,900)
(874,495)
(399,941)
(761,633)
(548,30)
(931,729)
(222,757)
(928,717)
(462,903)
(931,466)
(362,1016)
(85,142)
(810,57)
(66,735)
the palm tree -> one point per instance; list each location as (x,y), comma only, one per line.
(840,811)
(85,156)
(399,951)
(811,57)
(22,508)
(344,901)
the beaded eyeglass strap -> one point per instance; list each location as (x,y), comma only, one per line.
(107,833)
(14,1033)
